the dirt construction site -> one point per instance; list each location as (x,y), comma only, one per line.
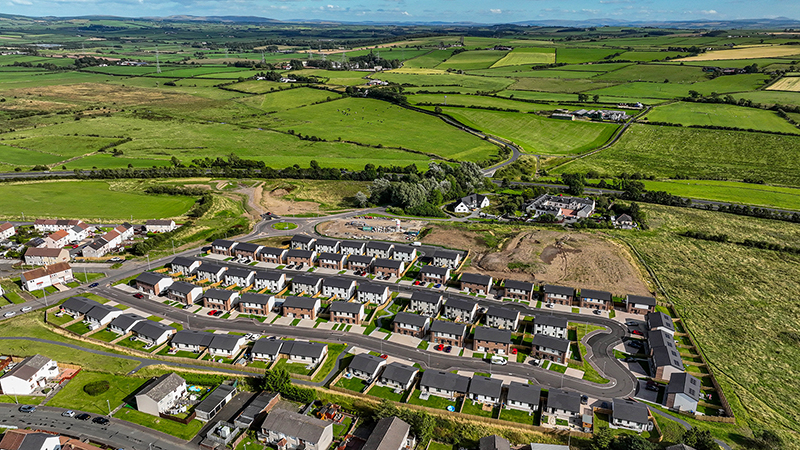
(369,227)
(580,260)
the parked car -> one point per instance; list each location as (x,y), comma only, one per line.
(385,356)
(94,285)
(26,308)
(437,285)
(138,295)
(500,361)
(10,314)
(69,413)
(631,322)
(635,344)
(513,351)
(637,332)
(597,311)
(212,312)
(219,313)
(416,283)
(83,416)
(448,349)
(549,305)
(27,408)
(652,387)
(100,420)
(439,347)
(584,399)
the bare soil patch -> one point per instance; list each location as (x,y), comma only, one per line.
(104,93)
(273,201)
(383,229)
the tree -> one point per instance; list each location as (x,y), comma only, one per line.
(276,380)
(601,439)
(699,439)
(437,110)
(595,98)
(631,442)
(575,181)
(583,97)
(361,199)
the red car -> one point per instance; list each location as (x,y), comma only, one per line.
(138,295)
(513,351)
(416,283)
(440,347)
(384,356)
(212,312)
(637,332)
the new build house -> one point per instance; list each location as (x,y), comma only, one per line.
(434,274)
(45,256)
(43,277)
(379,249)
(426,303)
(310,353)
(341,288)
(347,312)
(286,430)
(637,304)
(301,257)
(258,304)
(404,253)
(366,366)
(398,376)
(301,307)
(100,315)
(186,293)
(523,397)
(271,281)
(184,266)
(302,242)
(327,246)
(664,357)
(333,261)
(475,283)
(388,267)
(485,390)
(191,341)
(360,263)
(219,299)
(492,340)
(306,284)
(159,226)
(411,324)
(77,306)
(236,276)
(549,325)
(550,348)
(460,310)
(266,349)
(226,345)
(223,247)
(152,283)
(519,290)
(29,375)
(372,293)
(559,295)
(152,333)
(211,273)
(245,250)
(564,405)
(390,433)
(123,324)
(443,384)
(161,395)
(592,299)
(447,258)
(502,318)
(630,415)
(658,321)
(352,247)
(448,333)
(683,392)
(272,255)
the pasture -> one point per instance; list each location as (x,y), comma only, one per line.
(637,90)
(447,81)
(757,51)
(767,97)
(582,55)
(477,100)
(649,56)
(558,85)
(791,84)
(731,191)
(656,73)
(475,59)
(721,115)
(428,60)
(526,56)
(289,98)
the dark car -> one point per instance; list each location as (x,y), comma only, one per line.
(138,295)
(100,420)
(448,349)
(219,313)
(94,285)
(27,408)
(83,416)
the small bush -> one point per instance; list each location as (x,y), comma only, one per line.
(96,388)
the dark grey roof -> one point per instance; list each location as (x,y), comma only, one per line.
(404,249)
(80,304)
(300,302)
(476,278)
(362,259)
(302,348)
(641,300)
(663,356)
(150,329)
(440,326)
(684,383)
(411,319)
(270,276)
(338,282)
(150,278)
(182,261)
(219,294)
(162,386)
(351,244)
(492,335)
(629,410)
(544,340)
(446,254)
(214,399)
(327,256)
(225,341)
(297,253)
(327,242)
(238,272)
(399,373)
(295,425)
(365,362)
(302,238)
(100,311)
(389,434)
(28,367)
(246,418)
(444,380)
(259,299)
(524,393)
(191,337)
(599,295)
(550,321)
(372,288)
(309,280)
(34,441)
(434,270)
(346,307)
(211,268)
(182,287)
(496,311)
(493,442)
(246,247)
(223,243)
(125,321)
(561,290)
(567,401)
(382,246)
(658,319)
(658,338)
(272,251)
(489,387)
(462,304)
(519,285)
(426,297)
(388,263)
(267,346)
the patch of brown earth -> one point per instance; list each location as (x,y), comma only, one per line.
(274,202)
(383,229)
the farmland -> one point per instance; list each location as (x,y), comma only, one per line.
(527,56)
(478,59)
(746,53)
(786,84)
(721,115)
(730,191)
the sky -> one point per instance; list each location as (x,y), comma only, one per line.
(481,11)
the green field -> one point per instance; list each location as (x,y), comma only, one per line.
(656,73)
(582,55)
(649,56)
(429,60)
(721,115)
(537,134)
(72,395)
(558,85)
(87,200)
(695,153)
(476,100)
(731,191)
(643,90)
(476,59)
(527,55)
(289,98)
(445,81)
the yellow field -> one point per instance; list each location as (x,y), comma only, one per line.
(522,56)
(786,84)
(753,52)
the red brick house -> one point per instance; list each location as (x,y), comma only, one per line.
(559,295)
(448,333)
(492,340)
(347,312)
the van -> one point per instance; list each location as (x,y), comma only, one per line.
(499,360)
(416,244)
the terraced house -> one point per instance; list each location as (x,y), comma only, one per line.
(476,283)
(559,295)
(258,304)
(347,312)
(152,333)
(271,281)
(448,333)
(219,299)
(502,318)
(301,307)
(434,274)
(460,310)
(266,349)
(426,303)
(600,300)
(519,290)
(333,261)
(411,324)
(302,242)
(45,256)
(379,249)
(272,255)
(492,340)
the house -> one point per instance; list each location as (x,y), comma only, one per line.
(211,272)
(559,295)
(45,225)
(346,312)
(503,318)
(302,242)
(404,253)
(366,366)
(245,250)
(186,293)
(113,238)
(77,306)
(29,375)
(493,442)
(600,300)
(476,283)
(398,376)
(45,256)
(59,273)
(372,293)
(264,402)
(79,232)
(470,203)
(659,321)
(638,304)
(152,283)
(523,397)
(663,355)
(311,353)
(561,206)
(630,415)
(161,395)
(271,281)
(226,345)
(258,304)
(236,276)
(327,246)
(434,274)
(184,266)
(308,284)
(97,249)
(215,401)
(564,405)
(125,231)
(352,247)
(152,333)
(485,390)
(550,348)
(460,310)
(333,261)
(624,222)
(411,324)
(219,299)
(379,249)
(57,239)
(360,262)
(272,255)
(448,333)
(100,315)
(36,242)
(446,258)
(550,326)
(286,430)
(443,384)
(683,392)
(123,324)
(266,349)
(519,290)
(492,340)
(223,247)
(191,341)
(301,307)
(16,439)
(390,433)
(301,257)
(160,226)
(388,267)
(426,303)
(7,230)
(341,288)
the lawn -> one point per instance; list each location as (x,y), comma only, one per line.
(428,60)
(518,416)
(22,399)
(334,350)
(526,56)
(179,430)
(559,85)
(79,328)
(445,81)
(476,410)
(707,114)
(72,395)
(354,384)
(105,335)
(387,393)
(296,368)
(432,402)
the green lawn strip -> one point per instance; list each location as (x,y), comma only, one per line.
(295,368)
(295,322)
(557,368)
(179,353)
(72,396)
(121,307)
(340,428)
(79,328)
(155,318)
(386,392)
(14,297)
(22,399)
(65,318)
(423,345)
(105,335)
(514,415)
(135,344)
(179,430)
(88,277)
(352,384)
(39,294)
(432,402)
(334,350)
(476,409)
(439,446)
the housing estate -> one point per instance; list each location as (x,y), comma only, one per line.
(301,307)
(492,340)
(43,277)
(161,395)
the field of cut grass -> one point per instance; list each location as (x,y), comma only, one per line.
(731,83)
(335,77)
(90,200)
(475,59)
(526,72)
(766,97)
(536,134)
(637,90)
(558,85)
(791,84)
(766,51)
(721,115)
(527,55)
(429,60)
(696,153)
(289,98)
(731,191)
(582,55)
(656,73)
(445,81)
(477,100)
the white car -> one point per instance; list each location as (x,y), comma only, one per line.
(69,413)
(10,314)
(549,305)
(26,309)
(500,361)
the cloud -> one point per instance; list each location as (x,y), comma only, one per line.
(20,2)
(496,11)
(709,12)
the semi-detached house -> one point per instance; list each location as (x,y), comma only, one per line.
(308,284)
(299,256)
(372,293)
(45,256)
(161,395)
(301,307)
(360,263)
(434,274)
(302,242)
(211,272)
(333,261)
(411,324)
(549,325)
(519,290)
(327,246)
(379,249)
(523,397)
(404,253)
(272,255)
(638,304)
(387,267)
(258,304)
(503,318)
(223,247)
(152,283)
(352,247)
(398,376)
(443,384)
(564,405)
(485,390)
(246,250)
(186,293)
(426,303)
(448,333)
(475,283)
(185,266)
(492,340)
(559,295)
(366,366)
(236,276)
(347,312)
(219,299)
(550,348)
(271,281)
(447,258)
(460,310)
(600,300)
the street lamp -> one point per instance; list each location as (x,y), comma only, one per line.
(109,407)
